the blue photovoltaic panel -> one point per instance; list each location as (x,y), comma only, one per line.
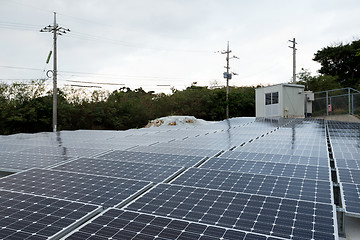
(290,219)
(153,158)
(25,216)
(349,175)
(128,170)
(348,163)
(100,190)
(268,168)
(63,151)
(351,196)
(123,224)
(17,161)
(277,158)
(191,151)
(294,188)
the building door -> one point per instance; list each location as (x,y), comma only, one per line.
(272,106)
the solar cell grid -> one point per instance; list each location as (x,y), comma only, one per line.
(191,151)
(277,217)
(18,161)
(268,168)
(116,224)
(346,155)
(348,163)
(279,150)
(12,148)
(293,188)
(25,216)
(277,158)
(63,151)
(153,158)
(105,191)
(349,175)
(351,198)
(128,170)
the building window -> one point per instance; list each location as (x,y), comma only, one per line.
(267,98)
(271,98)
(275,98)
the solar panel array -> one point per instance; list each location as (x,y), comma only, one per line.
(242,178)
(345,142)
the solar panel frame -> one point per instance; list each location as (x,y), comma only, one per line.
(114,223)
(14,162)
(266,185)
(240,211)
(347,175)
(294,159)
(126,170)
(37,217)
(79,187)
(350,197)
(176,151)
(152,158)
(268,168)
(64,151)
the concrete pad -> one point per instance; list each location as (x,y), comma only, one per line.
(341,118)
(352,228)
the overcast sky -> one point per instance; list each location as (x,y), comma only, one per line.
(143,43)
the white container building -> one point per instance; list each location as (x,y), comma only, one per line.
(281,100)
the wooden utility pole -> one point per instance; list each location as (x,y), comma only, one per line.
(56,30)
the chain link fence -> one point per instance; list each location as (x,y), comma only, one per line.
(336,102)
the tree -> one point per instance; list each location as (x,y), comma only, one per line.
(341,61)
(317,83)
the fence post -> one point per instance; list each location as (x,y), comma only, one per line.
(327,103)
(349,101)
(352,104)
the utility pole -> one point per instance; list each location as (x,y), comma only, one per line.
(228,76)
(294,59)
(56,30)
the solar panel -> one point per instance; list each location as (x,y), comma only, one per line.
(268,168)
(25,216)
(270,178)
(279,217)
(348,163)
(14,162)
(176,151)
(349,175)
(284,187)
(153,158)
(280,158)
(123,224)
(351,198)
(63,151)
(12,148)
(128,170)
(105,191)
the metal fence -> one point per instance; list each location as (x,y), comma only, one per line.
(336,102)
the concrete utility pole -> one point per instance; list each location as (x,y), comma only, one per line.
(228,76)
(56,30)
(294,59)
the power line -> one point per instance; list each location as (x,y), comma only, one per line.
(69,74)
(114,84)
(131,45)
